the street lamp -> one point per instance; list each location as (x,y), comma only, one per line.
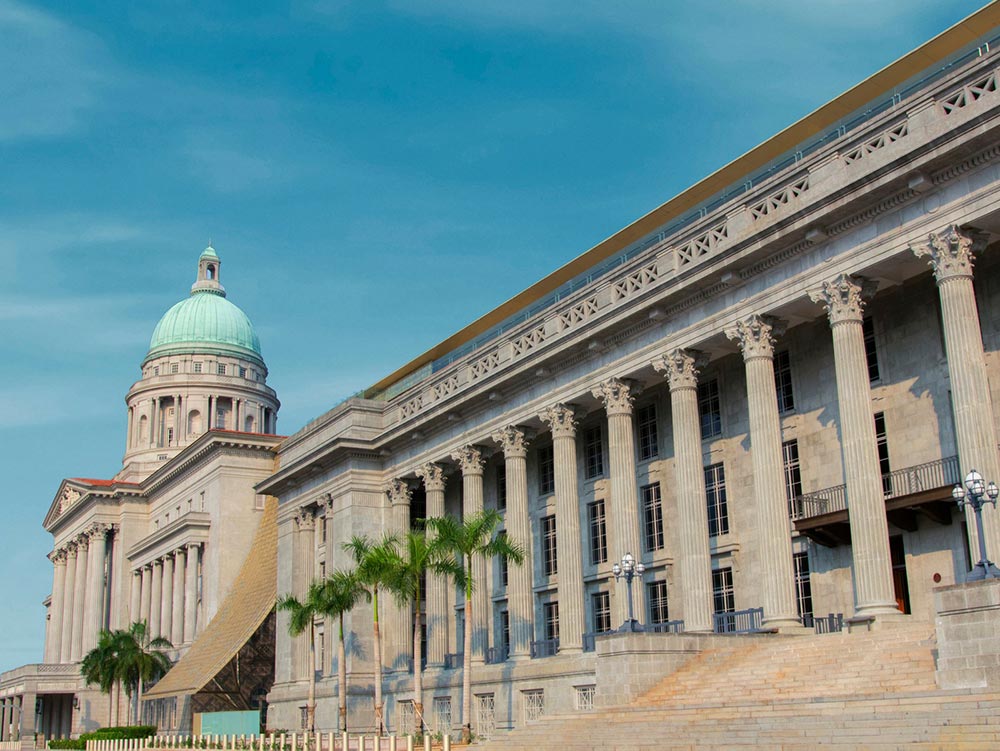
(629,569)
(976,493)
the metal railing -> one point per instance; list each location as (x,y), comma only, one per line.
(829,624)
(453,660)
(666,627)
(896,484)
(590,640)
(496,655)
(544,648)
(739,621)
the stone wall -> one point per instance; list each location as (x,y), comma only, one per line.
(968,634)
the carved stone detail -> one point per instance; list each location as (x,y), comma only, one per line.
(755,335)
(681,367)
(617,396)
(399,492)
(844,298)
(58,556)
(513,440)
(69,497)
(432,476)
(951,252)
(98,530)
(470,459)
(561,419)
(305,519)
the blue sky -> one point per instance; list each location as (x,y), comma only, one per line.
(374,176)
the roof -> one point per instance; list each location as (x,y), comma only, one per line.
(100,483)
(958,38)
(245,608)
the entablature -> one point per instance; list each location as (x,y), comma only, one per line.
(191,527)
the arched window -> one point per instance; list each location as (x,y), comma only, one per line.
(143,435)
(194,422)
(209,272)
(248,424)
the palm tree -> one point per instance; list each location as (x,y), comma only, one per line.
(100,667)
(302,616)
(341,592)
(470,538)
(374,566)
(140,659)
(419,555)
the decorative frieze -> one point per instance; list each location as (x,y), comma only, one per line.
(635,282)
(951,252)
(484,365)
(880,141)
(970,93)
(576,314)
(527,342)
(776,200)
(446,387)
(702,246)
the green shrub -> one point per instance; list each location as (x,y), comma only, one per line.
(120,733)
(69,743)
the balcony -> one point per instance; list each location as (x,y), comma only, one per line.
(922,490)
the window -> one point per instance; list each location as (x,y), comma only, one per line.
(722,590)
(710,409)
(243,372)
(197,367)
(598,532)
(321,651)
(549,565)
(645,418)
(156,370)
(793,474)
(602,612)
(871,354)
(783,382)
(551,613)
(220,369)
(170,436)
(501,488)
(486,719)
(546,471)
(803,586)
(442,714)
(652,511)
(174,368)
(715,493)
(534,704)
(593,453)
(656,593)
(504,567)
(505,631)
(882,443)
(585,697)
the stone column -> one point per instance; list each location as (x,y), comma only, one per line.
(80,599)
(210,416)
(135,598)
(177,620)
(302,573)
(94,613)
(952,254)
(155,422)
(626,537)
(191,592)
(437,617)
(471,461)
(694,560)
(53,648)
(167,597)
(520,598)
(179,421)
(843,299)
(756,339)
(561,421)
(69,607)
(156,599)
(400,651)
(147,586)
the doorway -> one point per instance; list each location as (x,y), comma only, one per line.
(899,583)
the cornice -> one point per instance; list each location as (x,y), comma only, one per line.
(193,526)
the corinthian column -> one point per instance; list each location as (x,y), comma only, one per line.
(520,608)
(844,302)
(617,397)
(69,608)
(191,592)
(146,595)
(80,600)
(302,571)
(177,606)
(437,593)
(755,336)
(167,597)
(57,608)
(94,614)
(156,599)
(470,460)
(135,598)
(695,562)
(400,619)
(952,253)
(561,420)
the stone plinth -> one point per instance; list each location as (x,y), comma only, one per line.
(968,634)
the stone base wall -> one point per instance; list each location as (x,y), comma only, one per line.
(968,635)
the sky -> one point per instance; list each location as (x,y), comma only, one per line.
(374,176)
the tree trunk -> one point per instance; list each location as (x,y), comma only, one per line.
(342,676)
(467,661)
(379,728)
(311,696)
(418,667)
(138,702)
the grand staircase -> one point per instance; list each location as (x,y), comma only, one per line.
(872,690)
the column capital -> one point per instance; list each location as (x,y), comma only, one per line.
(432,475)
(617,395)
(304,518)
(951,252)
(70,548)
(755,335)
(82,541)
(97,530)
(844,298)
(561,419)
(193,546)
(326,502)
(157,562)
(147,566)
(513,440)
(58,556)
(470,459)
(399,492)
(137,572)
(681,367)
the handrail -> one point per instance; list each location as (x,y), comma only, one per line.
(738,621)
(544,648)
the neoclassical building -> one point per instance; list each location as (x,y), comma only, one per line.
(763,390)
(164,540)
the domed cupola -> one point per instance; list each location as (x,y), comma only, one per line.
(203,371)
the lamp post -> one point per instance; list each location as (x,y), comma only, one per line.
(629,569)
(976,493)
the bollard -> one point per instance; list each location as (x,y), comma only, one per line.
(447,742)
(392,743)
(427,742)
(295,741)
(344,741)
(330,737)
(282,742)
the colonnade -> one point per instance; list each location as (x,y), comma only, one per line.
(10,718)
(165,595)
(78,612)
(157,424)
